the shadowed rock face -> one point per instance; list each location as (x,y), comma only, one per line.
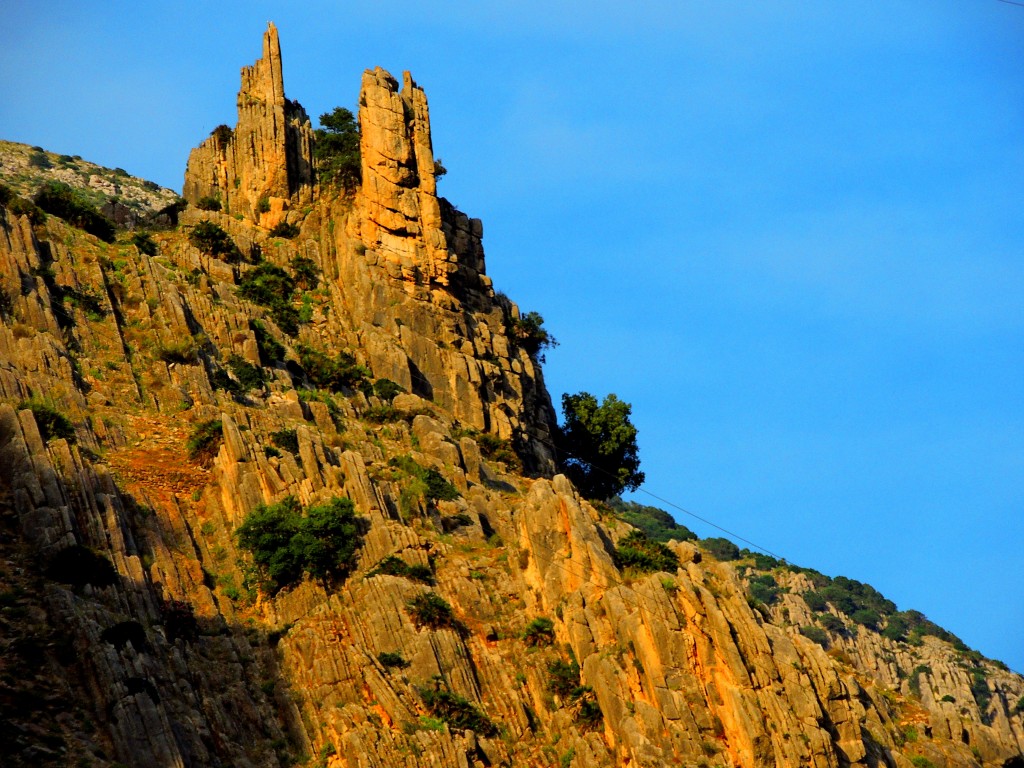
(179,663)
(264,167)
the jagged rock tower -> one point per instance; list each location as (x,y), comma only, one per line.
(264,167)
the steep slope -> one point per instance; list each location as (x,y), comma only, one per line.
(131,620)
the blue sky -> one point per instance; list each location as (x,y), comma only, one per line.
(789,233)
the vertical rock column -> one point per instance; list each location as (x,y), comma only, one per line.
(400,213)
(268,157)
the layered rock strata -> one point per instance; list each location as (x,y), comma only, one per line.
(263,168)
(157,649)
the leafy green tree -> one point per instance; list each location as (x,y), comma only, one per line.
(337,149)
(598,446)
(284,543)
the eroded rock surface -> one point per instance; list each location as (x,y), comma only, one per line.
(169,655)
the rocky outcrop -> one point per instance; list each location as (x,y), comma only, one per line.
(263,168)
(399,212)
(158,647)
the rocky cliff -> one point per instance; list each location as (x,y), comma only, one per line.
(485,621)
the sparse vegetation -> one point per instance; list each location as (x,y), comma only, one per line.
(539,632)
(396,566)
(815,634)
(658,524)
(455,710)
(286,439)
(208,203)
(529,334)
(430,610)
(270,286)
(720,548)
(214,241)
(639,553)
(270,349)
(52,423)
(205,441)
(145,243)
(334,374)
(285,230)
(386,389)
(248,375)
(185,351)
(392,660)
(68,204)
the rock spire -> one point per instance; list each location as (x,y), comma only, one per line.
(398,197)
(264,166)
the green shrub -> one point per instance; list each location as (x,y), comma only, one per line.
(208,203)
(185,351)
(392,660)
(52,423)
(386,389)
(223,133)
(1018,707)
(77,565)
(271,452)
(286,439)
(529,334)
(285,543)
(658,524)
(145,243)
(382,414)
(831,622)
(263,205)
(85,300)
(248,375)
(589,714)
(539,632)
(816,634)
(39,160)
(334,374)
(432,611)
(214,241)
(19,206)
(457,711)
(396,566)
(65,203)
(270,286)
(814,601)
(920,761)
(438,488)
(721,548)
(640,553)
(285,230)
(270,349)
(866,617)
(205,441)
(564,679)
(764,589)
(337,149)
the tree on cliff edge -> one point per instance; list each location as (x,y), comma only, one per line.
(337,149)
(597,443)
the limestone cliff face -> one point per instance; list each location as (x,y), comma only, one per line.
(263,168)
(131,634)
